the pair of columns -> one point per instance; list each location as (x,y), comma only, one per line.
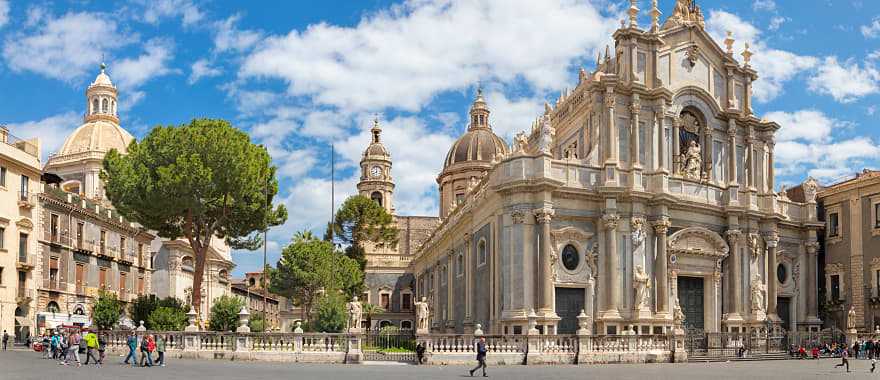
(612,266)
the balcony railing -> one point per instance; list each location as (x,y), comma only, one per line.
(26,199)
(24,295)
(24,261)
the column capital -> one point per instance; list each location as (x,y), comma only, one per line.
(610,221)
(467,237)
(518,216)
(812,247)
(543,215)
(771,239)
(661,226)
(636,107)
(450,253)
(734,236)
(609,97)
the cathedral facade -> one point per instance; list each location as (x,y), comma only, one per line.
(644,197)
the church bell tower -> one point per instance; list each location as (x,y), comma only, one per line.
(376,182)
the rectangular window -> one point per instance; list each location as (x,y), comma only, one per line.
(53,273)
(406,302)
(24,187)
(122,250)
(53,227)
(141,285)
(22,244)
(835,287)
(102,248)
(2,238)
(623,139)
(459,198)
(102,278)
(385,301)
(876,216)
(3,176)
(140,254)
(80,227)
(1,275)
(833,224)
(80,278)
(641,66)
(459,265)
(740,164)
(122,283)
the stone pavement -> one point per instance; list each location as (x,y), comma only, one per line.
(23,365)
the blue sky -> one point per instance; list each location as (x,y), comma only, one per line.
(299,75)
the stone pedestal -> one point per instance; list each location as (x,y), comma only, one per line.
(585,345)
(851,336)
(353,354)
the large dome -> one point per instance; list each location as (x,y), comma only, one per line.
(97,136)
(479,144)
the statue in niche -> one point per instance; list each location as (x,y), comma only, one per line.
(758,295)
(638,231)
(641,285)
(692,161)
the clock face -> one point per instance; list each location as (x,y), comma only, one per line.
(376,171)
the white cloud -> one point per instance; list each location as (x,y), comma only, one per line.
(395,59)
(776,23)
(133,72)
(764,5)
(51,131)
(776,67)
(510,116)
(846,81)
(202,69)
(228,37)
(66,47)
(807,144)
(871,30)
(159,9)
(4,12)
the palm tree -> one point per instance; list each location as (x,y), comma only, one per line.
(304,235)
(369,309)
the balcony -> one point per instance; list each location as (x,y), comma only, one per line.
(27,200)
(55,286)
(24,295)
(26,146)
(24,261)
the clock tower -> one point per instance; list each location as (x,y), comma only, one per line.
(376,182)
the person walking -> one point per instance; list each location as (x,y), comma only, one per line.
(145,351)
(91,341)
(5,339)
(73,348)
(102,343)
(55,344)
(844,359)
(44,339)
(132,342)
(160,348)
(481,357)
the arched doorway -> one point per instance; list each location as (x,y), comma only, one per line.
(22,325)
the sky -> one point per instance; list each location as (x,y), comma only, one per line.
(302,75)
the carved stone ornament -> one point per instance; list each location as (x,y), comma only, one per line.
(610,221)
(661,226)
(520,143)
(693,55)
(543,215)
(811,188)
(697,241)
(518,216)
(812,247)
(692,162)
(755,245)
(547,133)
(758,293)
(686,13)
(638,231)
(609,100)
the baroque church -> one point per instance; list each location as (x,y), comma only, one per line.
(643,197)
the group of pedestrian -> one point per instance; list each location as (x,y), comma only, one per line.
(147,346)
(67,348)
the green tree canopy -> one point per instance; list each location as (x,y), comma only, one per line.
(165,318)
(224,313)
(309,267)
(359,220)
(369,310)
(331,315)
(106,312)
(257,322)
(143,307)
(198,181)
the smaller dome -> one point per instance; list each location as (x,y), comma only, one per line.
(479,144)
(102,79)
(376,148)
(97,136)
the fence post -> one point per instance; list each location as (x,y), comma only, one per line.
(242,333)
(584,339)
(533,345)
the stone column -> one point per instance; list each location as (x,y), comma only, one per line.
(436,295)
(731,137)
(450,291)
(734,237)
(812,288)
(659,115)
(676,149)
(771,241)
(661,275)
(613,147)
(747,97)
(770,172)
(750,148)
(634,109)
(469,283)
(542,217)
(612,261)
(731,97)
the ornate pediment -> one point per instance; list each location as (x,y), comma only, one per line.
(25,224)
(697,241)
(570,233)
(583,261)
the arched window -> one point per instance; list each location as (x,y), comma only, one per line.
(79,310)
(481,252)
(406,325)
(113,107)
(377,197)
(19,312)
(94,106)
(385,324)
(252,281)
(104,106)
(187,264)
(52,307)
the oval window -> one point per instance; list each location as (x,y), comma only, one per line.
(781,273)
(570,257)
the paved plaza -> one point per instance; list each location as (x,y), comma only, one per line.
(21,365)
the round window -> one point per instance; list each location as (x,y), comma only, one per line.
(570,257)
(781,273)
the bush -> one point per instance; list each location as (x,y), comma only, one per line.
(224,313)
(106,311)
(257,322)
(331,316)
(167,319)
(142,308)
